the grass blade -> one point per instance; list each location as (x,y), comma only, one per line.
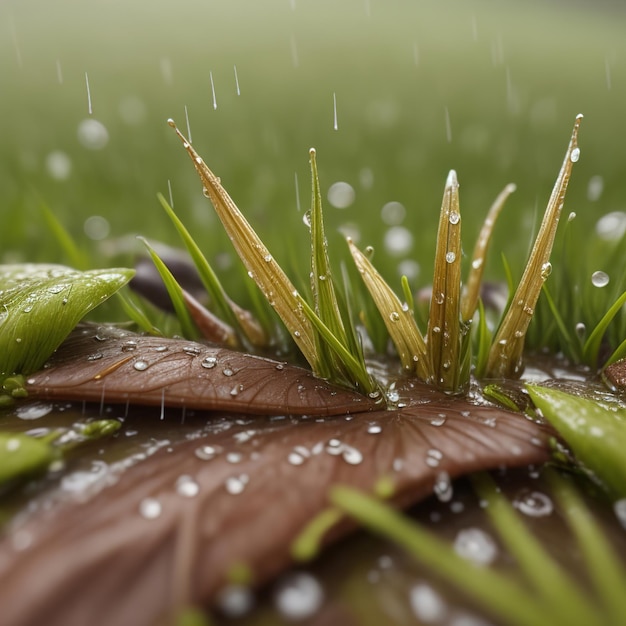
(592,345)
(261,266)
(471,292)
(559,592)
(398,319)
(443,337)
(506,352)
(493,591)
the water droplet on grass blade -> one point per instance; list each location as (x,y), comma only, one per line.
(575,155)
(450,257)
(546,270)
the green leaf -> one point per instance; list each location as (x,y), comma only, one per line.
(596,433)
(22,455)
(41,304)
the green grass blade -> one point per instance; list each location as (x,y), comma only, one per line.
(605,570)
(483,341)
(569,342)
(618,353)
(498,595)
(559,592)
(591,348)
(595,433)
(135,314)
(175,292)
(75,256)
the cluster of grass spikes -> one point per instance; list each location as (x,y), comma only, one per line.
(323,327)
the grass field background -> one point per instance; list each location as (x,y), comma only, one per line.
(490,89)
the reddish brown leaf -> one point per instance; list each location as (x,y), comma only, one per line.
(251,487)
(104,364)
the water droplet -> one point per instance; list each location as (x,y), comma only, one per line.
(227,371)
(236,484)
(398,240)
(533,503)
(235,600)
(234,457)
(191,350)
(546,270)
(443,487)
(306,219)
(426,604)
(581,329)
(575,155)
(440,420)
(476,263)
(205,192)
(394,316)
(374,429)
(450,257)
(280,366)
(206,453)
(129,346)
(267,258)
(95,356)
(341,195)
(433,457)
(209,362)
(186,486)
(475,545)
(351,455)
(198,160)
(236,389)
(93,134)
(454,218)
(298,596)
(150,508)
(33,411)
(440,298)
(612,226)
(140,366)
(600,279)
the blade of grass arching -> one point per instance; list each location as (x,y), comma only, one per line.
(506,352)
(75,256)
(568,340)
(242,321)
(443,337)
(496,594)
(592,345)
(346,308)
(471,293)
(398,319)
(408,294)
(483,341)
(175,292)
(135,314)
(261,265)
(354,372)
(606,571)
(566,601)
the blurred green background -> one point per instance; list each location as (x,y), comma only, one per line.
(490,89)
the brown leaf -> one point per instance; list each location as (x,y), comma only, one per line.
(238,495)
(104,364)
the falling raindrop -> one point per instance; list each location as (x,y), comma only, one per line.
(89,109)
(236,81)
(213,91)
(188,126)
(448,126)
(475,545)
(150,508)
(335,126)
(600,279)
(298,596)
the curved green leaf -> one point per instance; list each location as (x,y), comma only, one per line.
(41,304)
